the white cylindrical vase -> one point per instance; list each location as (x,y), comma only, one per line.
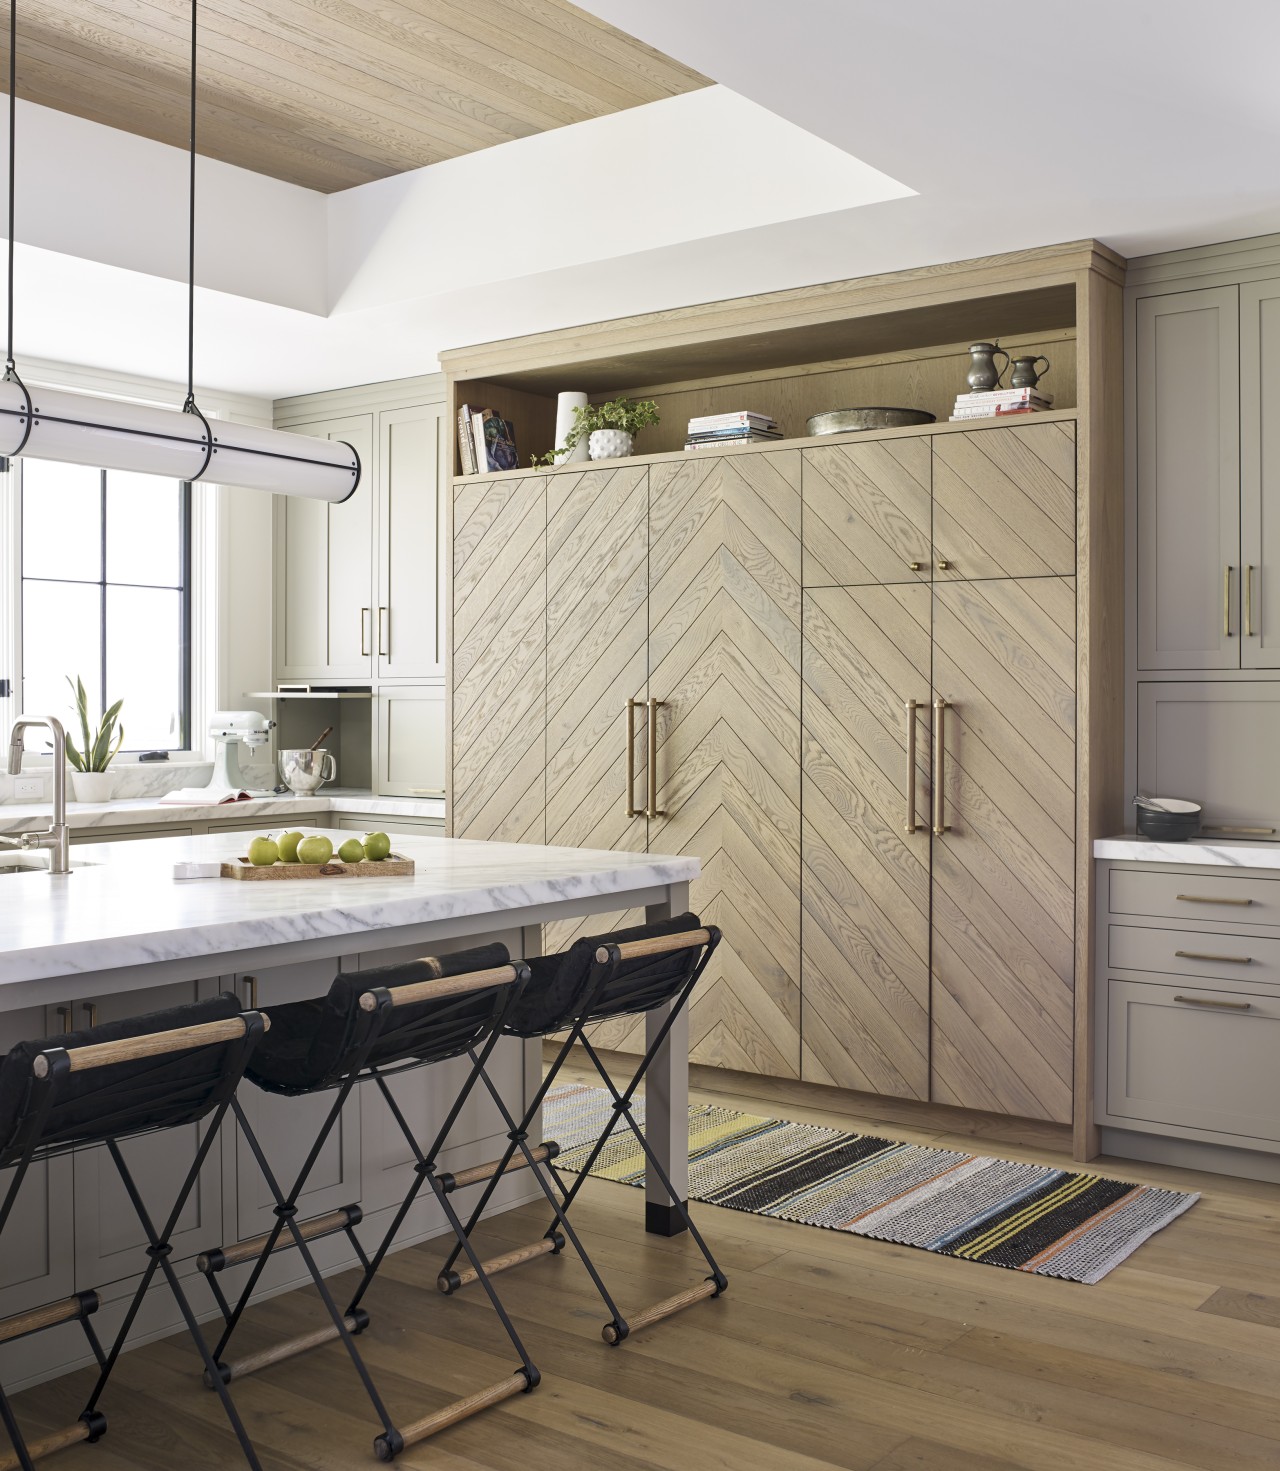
(565,405)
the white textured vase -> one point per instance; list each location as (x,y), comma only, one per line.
(93,786)
(610,444)
(565,405)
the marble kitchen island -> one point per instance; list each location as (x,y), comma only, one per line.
(120,935)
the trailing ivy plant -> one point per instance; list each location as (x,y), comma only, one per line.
(96,752)
(630,415)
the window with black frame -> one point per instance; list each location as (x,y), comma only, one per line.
(106,595)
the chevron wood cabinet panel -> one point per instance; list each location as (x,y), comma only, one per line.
(498,668)
(868,513)
(866,878)
(1004,502)
(724,660)
(1004,659)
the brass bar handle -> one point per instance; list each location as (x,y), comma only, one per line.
(91,1008)
(1204,955)
(1210,899)
(251,992)
(1248,602)
(66,1013)
(1204,1001)
(1226,602)
(653,810)
(911,825)
(632,809)
(384,646)
(940,825)
(364,630)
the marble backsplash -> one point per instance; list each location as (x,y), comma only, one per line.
(151,779)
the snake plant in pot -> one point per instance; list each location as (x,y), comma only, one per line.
(90,777)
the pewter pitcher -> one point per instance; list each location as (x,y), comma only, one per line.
(1024,373)
(983,374)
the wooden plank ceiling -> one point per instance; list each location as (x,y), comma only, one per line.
(332,93)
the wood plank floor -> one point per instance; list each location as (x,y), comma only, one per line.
(827,1351)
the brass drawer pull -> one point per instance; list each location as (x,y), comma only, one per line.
(365,628)
(1248,602)
(632,809)
(911,825)
(653,809)
(1256,832)
(1204,1001)
(939,755)
(384,644)
(1209,899)
(1226,602)
(1201,955)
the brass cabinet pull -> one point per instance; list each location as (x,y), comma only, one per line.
(1248,602)
(1258,832)
(632,809)
(1204,1001)
(65,1012)
(251,992)
(1209,899)
(364,631)
(653,810)
(92,1008)
(1226,602)
(384,613)
(1203,955)
(916,566)
(944,566)
(911,825)
(939,812)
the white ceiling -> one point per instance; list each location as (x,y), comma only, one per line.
(1148,124)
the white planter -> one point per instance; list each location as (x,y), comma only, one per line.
(93,786)
(609,444)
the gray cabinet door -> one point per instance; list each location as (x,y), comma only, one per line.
(410,741)
(109,1242)
(1260,473)
(1188,480)
(325,609)
(287,1127)
(1215,744)
(408,628)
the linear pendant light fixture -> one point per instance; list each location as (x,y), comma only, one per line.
(83,430)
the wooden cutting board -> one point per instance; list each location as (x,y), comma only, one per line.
(394,865)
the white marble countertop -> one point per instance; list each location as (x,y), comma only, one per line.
(139,812)
(124,908)
(1207,852)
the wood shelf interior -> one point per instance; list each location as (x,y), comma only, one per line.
(909,359)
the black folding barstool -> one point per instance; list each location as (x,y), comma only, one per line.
(373,1024)
(101,1086)
(624,973)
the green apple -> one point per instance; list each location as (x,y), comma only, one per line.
(288,845)
(263,852)
(376,846)
(315,849)
(352,851)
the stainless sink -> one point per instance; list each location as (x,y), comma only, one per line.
(31,863)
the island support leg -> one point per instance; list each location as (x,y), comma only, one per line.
(666,1124)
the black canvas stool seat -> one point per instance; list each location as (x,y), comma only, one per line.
(625,973)
(372,1024)
(102,1086)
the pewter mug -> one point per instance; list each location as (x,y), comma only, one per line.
(305,771)
(983,375)
(1024,372)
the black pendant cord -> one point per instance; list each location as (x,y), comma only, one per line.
(190,405)
(9,367)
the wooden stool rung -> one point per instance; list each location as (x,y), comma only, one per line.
(289,1348)
(222,1257)
(474,1174)
(449,1282)
(655,1313)
(57,1440)
(65,1310)
(451,1414)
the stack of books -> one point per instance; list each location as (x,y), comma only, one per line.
(486,441)
(742,427)
(996,403)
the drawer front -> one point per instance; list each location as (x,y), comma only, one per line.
(1227,958)
(1207,1061)
(1216,898)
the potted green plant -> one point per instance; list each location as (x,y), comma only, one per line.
(90,777)
(609,428)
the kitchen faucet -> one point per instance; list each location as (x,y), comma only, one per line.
(56,837)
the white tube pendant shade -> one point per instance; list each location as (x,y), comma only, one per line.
(83,430)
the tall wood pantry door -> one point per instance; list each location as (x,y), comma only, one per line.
(1004,661)
(724,663)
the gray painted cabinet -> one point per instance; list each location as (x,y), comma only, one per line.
(1260,473)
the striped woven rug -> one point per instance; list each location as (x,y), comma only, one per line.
(1030,1218)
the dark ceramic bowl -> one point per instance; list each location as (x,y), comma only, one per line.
(1181,822)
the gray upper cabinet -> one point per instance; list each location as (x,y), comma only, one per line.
(324,571)
(1260,473)
(1188,480)
(408,626)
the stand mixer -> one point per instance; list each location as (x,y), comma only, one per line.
(229,730)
